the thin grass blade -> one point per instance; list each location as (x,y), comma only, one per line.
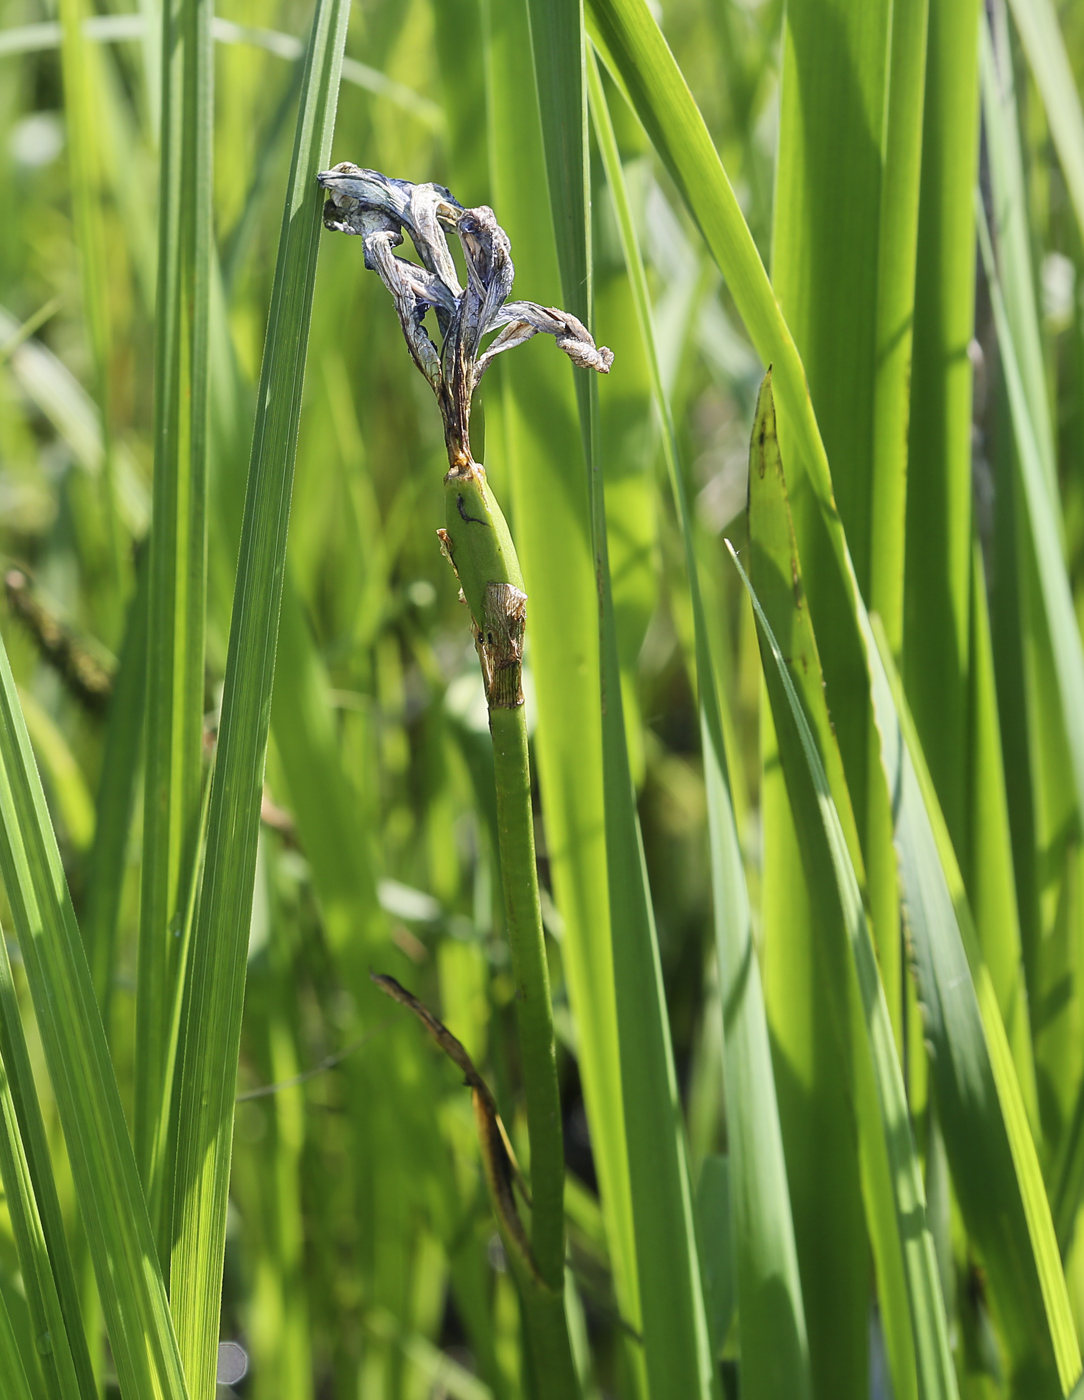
(115,799)
(836,995)
(632,44)
(986,855)
(1040,773)
(938,558)
(1009,221)
(774,1348)
(12,1372)
(1042,514)
(215,989)
(929,1326)
(1037,22)
(897,242)
(990,877)
(42,1249)
(103,1166)
(177,567)
(934,1362)
(677,1347)
(80,64)
(994,1164)
(844,232)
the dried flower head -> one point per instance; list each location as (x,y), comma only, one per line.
(379,209)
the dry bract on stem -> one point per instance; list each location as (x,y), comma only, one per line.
(499,639)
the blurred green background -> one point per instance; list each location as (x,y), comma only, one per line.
(362,1259)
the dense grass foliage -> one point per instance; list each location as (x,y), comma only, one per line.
(808,812)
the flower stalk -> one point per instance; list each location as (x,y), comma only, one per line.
(477,541)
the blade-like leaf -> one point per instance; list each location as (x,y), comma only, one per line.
(12,1373)
(215,988)
(677,1349)
(103,1166)
(630,40)
(639,56)
(987,856)
(1008,198)
(897,241)
(844,1002)
(81,67)
(934,1363)
(994,1165)
(1040,775)
(116,799)
(1037,21)
(938,550)
(774,1349)
(845,223)
(990,879)
(177,566)
(1042,514)
(37,1224)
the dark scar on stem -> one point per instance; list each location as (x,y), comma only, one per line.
(474,519)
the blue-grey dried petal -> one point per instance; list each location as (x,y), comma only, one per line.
(414,290)
(522,319)
(369,188)
(416,208)
(379,208)
(514,333)
(490,271)
(429,204)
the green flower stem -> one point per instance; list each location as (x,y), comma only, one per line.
(480,547)
(534,1017)
(379,209)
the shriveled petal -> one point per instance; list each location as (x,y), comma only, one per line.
(515,333)
(378,208)
(410,286)
(417,208)
(350,187)
(427,289)
(428,205)
(523,319)
(490,271)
